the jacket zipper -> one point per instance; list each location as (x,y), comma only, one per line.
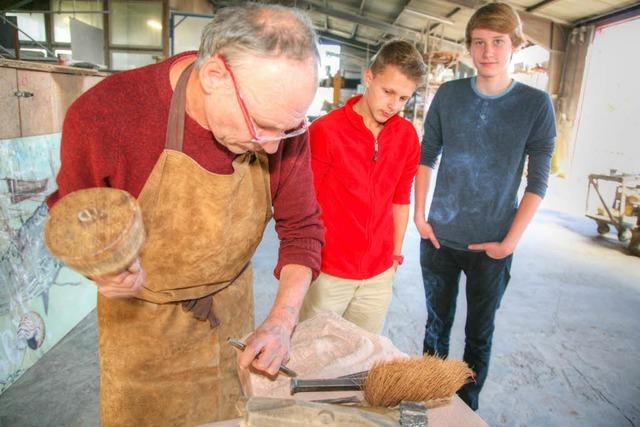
(371,197)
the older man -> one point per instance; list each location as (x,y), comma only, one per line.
(212,145)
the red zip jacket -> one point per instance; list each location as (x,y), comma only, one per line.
(357,180)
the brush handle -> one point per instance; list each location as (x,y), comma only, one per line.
(331,384)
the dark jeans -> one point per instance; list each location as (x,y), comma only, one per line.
(487,280)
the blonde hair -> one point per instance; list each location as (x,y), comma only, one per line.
(403,55)
(498,17)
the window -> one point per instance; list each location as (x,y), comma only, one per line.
(136,23)
(32,24)
(61,20)
(187,32)
(130,60)
(329,60)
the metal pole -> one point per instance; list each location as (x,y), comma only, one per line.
(7,51)
(415,98)
(426,89)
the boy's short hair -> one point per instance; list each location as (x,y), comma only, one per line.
(498,17)
(403,55)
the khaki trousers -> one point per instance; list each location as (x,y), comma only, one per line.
(363,302)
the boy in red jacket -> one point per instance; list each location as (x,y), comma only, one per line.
(364,157)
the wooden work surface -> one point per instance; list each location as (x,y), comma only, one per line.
(455,414)
(34,97)
(50,68)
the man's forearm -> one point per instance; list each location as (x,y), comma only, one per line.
(423,180)
(268,345)
(527,209)
(400,220)
(293,286)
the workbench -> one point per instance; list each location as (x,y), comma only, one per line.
(455,414)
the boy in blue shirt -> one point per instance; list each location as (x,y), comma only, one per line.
(484,128)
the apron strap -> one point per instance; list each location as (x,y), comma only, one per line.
(175,123)
(202,308)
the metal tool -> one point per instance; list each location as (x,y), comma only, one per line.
(343,383)
(331,384)
(241,346)
(413,414)
(360,375)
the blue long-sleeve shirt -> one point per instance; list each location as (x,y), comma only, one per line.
(483,142)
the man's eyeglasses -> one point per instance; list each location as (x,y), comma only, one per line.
(251,124)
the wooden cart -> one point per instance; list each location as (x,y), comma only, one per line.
(623,212)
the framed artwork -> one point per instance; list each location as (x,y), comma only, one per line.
(40,299)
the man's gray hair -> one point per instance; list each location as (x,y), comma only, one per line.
(266,30)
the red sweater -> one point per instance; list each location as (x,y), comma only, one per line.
(114,133)
(356,192)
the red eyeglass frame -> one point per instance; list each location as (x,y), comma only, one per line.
(251,124)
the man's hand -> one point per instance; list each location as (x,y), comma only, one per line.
(426,231)
(495,250)
(124,285)
(268,346)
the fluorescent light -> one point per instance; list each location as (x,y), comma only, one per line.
(154,24)
(430,16)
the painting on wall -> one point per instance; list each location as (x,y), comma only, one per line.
(40,299)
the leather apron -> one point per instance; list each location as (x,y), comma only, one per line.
(159,365)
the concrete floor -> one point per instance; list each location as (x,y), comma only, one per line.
(565,350)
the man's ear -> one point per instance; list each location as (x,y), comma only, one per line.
(368,76)
(212,74)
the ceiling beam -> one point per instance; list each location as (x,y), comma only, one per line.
(346,34)
(475,4)
(429,16)
(469,4)
(359,43)
(448,15)
(347,42)
(9,5)
(454,43)
(401,32)
(326,18)
(355,26)
(404,6)
(539,5)
(610,16)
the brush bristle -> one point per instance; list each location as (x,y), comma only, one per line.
(419,379)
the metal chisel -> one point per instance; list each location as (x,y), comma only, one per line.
(241,346)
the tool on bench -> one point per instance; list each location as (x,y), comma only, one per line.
(344,383)
(419,379)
